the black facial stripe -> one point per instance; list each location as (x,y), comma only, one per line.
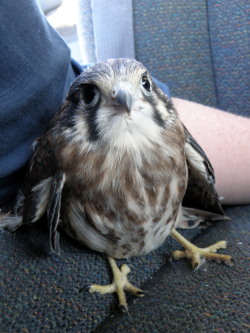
(91,119)
(68,120)
(167,102)
(156,116)
(158,119)
(162,96)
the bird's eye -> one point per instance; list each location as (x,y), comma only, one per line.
(145,83)
(90,94)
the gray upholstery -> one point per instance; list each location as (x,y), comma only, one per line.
(201,49)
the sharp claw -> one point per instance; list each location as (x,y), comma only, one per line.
(229,262)
(119,285)
(140,293)
(198,255)
(123,308)
(195,266)
(83,288)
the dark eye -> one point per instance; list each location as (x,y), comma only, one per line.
(90,94)
(145,83)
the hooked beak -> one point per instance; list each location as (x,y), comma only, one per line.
(122,98)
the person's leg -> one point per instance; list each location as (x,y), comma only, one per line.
(35,76)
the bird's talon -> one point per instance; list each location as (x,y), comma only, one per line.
(198,255)
(84,288)
(229,262)
(140,293)
(195,266)
(123,308)
(119,284)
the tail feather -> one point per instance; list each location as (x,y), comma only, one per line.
(192,218)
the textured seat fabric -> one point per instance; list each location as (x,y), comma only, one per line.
(200,48)
(230,50)
(45,293)
(189,45)
(172,40)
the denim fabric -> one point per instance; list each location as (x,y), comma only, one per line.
(35,75)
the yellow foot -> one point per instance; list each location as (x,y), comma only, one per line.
(119,284)
(198,255)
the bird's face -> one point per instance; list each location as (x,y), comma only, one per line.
(117,102)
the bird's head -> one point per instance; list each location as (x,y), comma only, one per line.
(117,101)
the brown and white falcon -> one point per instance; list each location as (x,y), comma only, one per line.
(115,169)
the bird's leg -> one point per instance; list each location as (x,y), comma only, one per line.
(119,284)
(196,254)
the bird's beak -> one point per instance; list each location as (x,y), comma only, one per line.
(122,98)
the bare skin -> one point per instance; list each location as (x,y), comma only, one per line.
(226,140)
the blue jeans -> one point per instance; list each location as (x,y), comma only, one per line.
(36,73)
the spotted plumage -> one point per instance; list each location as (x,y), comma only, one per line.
(115,164)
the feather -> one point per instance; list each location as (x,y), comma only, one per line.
(53,210)
(201,192)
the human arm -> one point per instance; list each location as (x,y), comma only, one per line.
(225,138)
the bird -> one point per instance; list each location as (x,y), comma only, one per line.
(119,172)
